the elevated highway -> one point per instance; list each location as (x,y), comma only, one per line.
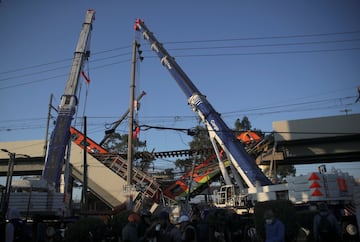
(316,140)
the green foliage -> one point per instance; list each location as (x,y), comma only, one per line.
(119,143)
(242,125)
(184,164)
(284,210)
(116,143)
(201,139)
(86,229)
(283,171)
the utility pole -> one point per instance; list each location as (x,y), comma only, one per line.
(48,124)
(85,175)
(191,180)
(131,127)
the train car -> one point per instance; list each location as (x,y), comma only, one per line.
(92,147)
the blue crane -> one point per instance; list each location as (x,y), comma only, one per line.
(244,169)
(60,136)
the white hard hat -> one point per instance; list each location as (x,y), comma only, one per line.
(183,219)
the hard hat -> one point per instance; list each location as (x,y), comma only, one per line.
(183,219)
(133,217)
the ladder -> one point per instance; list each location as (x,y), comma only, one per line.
(149,186)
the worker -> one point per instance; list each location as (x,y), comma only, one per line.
(163,230)
(274,228)
(325,226)
(145,223)
(16,229)
(188,230)
(130,230)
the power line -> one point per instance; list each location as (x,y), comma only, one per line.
(35,66)
(202,55)
(59,61)
(293,104)
(272,52)
(268,45)
(268,37)
(33,73)
(196,55)
(161,119)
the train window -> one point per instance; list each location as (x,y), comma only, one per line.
(74,137)
(83,143)
(201,173)
(94,150)
(176,190)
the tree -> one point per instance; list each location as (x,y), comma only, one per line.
(285,170)
(201,139)
(242,125)
(118,143)
(282,171)
(201,142)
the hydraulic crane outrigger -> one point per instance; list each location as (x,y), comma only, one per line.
(220,134)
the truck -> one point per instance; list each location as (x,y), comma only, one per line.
(244,181)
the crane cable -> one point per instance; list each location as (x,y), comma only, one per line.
(87,80)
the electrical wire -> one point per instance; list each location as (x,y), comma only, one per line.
(193,41)
(287,108)
(268,37)
(202,55)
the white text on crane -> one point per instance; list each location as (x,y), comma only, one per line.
(155,48)
(215,127)
(164,61)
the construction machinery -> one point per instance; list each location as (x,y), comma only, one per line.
(244,182)
(47,195)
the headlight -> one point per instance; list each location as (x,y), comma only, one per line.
(351,229)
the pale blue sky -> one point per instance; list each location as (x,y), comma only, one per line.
(268,60)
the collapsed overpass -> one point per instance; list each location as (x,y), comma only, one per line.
(306,141)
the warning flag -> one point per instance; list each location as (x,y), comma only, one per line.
(136,132)
(85,77)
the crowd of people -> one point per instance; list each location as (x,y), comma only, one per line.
(196,227)
(202,226)
(161,229)
(325,228)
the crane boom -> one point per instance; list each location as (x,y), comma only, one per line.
(60,136)
(240,161)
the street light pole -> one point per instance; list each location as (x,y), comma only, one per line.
(6,198)
(9,176)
